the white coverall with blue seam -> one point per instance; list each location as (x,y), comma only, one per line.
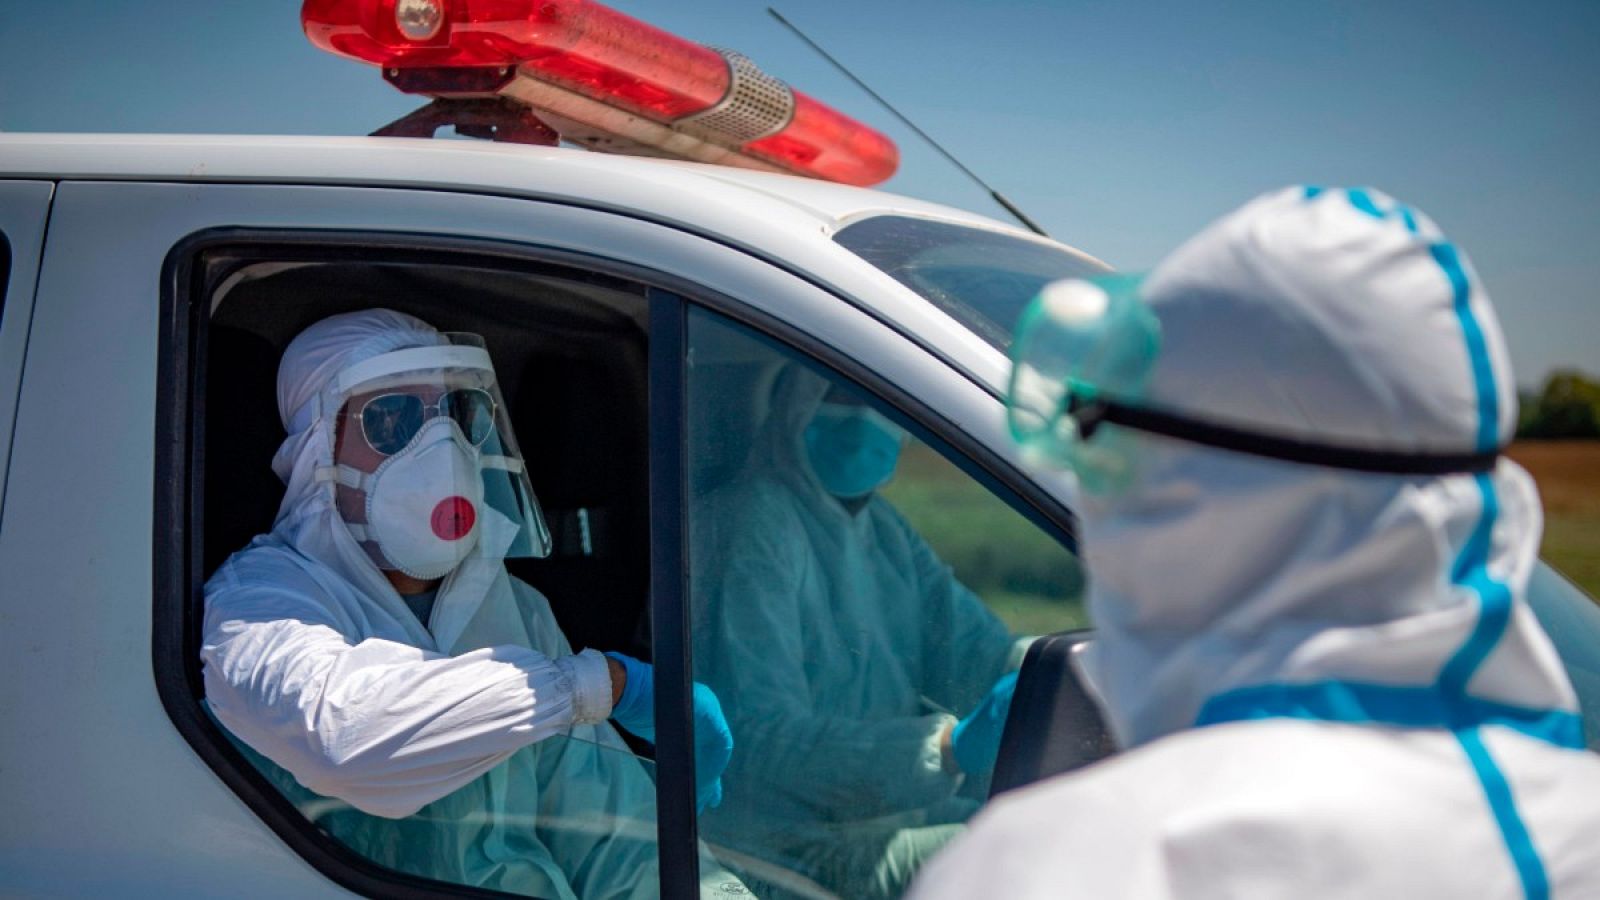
(1328,681)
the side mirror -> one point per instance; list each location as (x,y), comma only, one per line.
(1054,725)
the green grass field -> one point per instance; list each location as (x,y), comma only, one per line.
(1568,474)
(1030,581)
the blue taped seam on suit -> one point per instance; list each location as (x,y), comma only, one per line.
(1409,218)
(1384,704)
(1334,701)
(1535,883)
(1471,570)
(1363,201)
(1449,259)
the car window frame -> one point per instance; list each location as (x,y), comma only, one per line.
(24,227)
(191,272)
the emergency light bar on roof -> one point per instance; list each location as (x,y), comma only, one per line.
(605,80)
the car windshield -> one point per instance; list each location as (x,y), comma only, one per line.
(982,278)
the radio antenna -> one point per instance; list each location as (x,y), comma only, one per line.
(998,197)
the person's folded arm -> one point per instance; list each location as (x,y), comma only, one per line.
(383,725)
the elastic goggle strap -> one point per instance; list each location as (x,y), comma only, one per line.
(349,476)
(1089,414)
(503,463)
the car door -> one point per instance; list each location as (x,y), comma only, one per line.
(145,429)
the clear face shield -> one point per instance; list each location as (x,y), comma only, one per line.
(426,469)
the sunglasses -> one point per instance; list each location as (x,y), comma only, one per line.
(390,421)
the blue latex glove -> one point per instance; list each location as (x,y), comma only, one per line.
(635,710)
(975,740)
(713,742)
(713,747)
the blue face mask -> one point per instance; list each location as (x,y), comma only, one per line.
(852,449)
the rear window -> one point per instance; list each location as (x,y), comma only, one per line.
(983,279)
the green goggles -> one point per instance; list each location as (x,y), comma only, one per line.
(1081,359)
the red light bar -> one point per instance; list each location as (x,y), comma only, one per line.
(827,144)
(611,81)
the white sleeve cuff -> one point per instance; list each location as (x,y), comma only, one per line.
(932,756)
(590,677)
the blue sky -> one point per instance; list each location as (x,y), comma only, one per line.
(1120,127)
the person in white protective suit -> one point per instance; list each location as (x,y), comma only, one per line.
(1306,560)
(839,642)
(377,662)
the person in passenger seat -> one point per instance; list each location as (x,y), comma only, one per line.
(840,644)
(373,649)
(1307,561)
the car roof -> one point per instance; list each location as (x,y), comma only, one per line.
(784,218)
(635,182)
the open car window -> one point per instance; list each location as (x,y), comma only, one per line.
(573,813)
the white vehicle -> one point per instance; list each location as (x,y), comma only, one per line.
(637,311)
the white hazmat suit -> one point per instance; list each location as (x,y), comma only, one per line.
(471,749)
(1328,681)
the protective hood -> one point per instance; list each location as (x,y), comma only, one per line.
(1226,586)
(308,520)
(779,448)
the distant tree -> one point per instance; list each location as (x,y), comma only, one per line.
(1567,407)
(1527,412)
